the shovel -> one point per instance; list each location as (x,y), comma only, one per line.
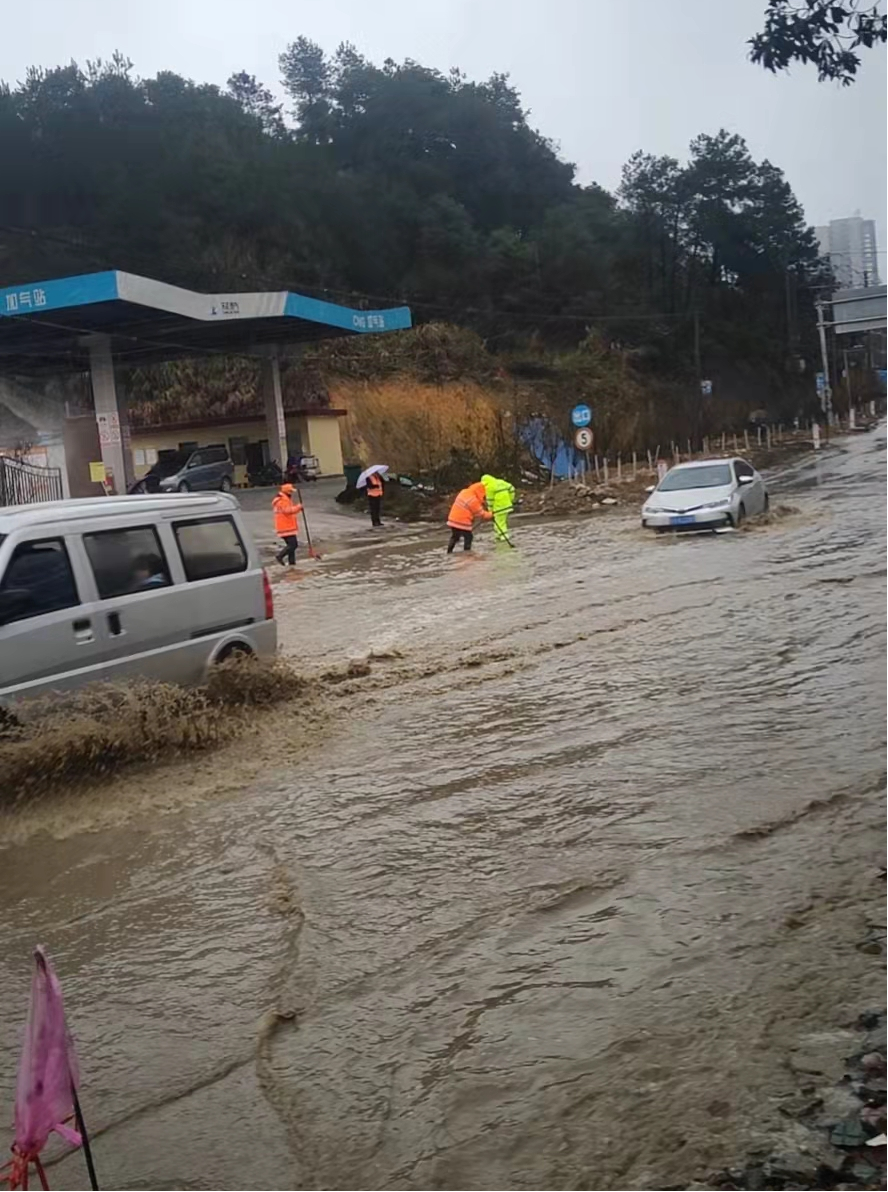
(312,553)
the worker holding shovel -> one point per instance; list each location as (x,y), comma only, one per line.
(286,523)
(467,506)
(500,501)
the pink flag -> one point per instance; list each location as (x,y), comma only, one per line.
(47,1075)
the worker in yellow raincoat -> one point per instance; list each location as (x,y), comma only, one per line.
(500,501)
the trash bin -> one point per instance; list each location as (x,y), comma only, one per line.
(352,472)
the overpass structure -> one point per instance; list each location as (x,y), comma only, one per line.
(96,321)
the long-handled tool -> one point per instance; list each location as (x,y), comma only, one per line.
(312,553)
(499,534)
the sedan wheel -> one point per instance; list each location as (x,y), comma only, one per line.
(184,486)
(767,504)
(225,486)
(738,520)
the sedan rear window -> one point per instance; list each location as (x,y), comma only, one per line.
(708,476)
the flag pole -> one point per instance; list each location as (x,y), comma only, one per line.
(87,1150)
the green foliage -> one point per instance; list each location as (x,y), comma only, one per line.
(825,32)
(397,183)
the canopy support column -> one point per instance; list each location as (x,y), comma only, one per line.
(275,422)
(111,415)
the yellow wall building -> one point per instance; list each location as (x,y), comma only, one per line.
(314,432)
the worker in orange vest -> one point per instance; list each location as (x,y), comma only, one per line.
(468,506)
(375,490)
(286,523)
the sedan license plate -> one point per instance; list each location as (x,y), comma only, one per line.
(683,520)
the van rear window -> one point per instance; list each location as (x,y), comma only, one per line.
(210,546)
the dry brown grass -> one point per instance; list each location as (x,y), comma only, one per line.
(96,732)
(414,426)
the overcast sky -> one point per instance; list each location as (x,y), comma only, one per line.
(601,77)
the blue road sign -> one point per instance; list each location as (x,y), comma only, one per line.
(821,382)
(581,415)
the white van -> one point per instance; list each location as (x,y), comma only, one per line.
(156,587)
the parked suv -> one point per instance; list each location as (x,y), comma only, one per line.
(206,468)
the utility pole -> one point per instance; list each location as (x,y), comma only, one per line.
(697,345)
(826,399)
(698,369)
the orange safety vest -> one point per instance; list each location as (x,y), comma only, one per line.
(286,513)
(374,485)
(468,505)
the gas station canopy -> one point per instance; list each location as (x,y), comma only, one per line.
(97,321)
(48,326)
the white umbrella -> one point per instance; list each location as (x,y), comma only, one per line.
(368,472)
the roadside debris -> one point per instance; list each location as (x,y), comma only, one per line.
(567,497)
(835,1135)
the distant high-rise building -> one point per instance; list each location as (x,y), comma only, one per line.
(850,245)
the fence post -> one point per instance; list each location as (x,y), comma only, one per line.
(723,442)
(634,464)
(605,470)
(650,465)
(746,437)
(619,468)
(768,437)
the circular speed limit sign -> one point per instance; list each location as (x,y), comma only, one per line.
(583,439)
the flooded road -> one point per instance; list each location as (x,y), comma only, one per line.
(543,900)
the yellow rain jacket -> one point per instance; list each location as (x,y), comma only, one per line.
(500,501)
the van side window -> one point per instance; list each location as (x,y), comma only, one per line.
(126,561)
(210,546)
(41,571)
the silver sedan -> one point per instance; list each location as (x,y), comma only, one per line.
(705,495)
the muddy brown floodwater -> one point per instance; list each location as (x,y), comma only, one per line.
(543,901)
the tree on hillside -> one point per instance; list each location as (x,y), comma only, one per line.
(405,124)
(825,32)
(402,184)
(258,101)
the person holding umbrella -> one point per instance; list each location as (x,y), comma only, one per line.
(371,479)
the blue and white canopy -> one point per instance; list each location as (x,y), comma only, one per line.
(45,326)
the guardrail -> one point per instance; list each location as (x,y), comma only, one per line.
(22,483)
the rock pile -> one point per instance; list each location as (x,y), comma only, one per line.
(571,498)
(834,1136)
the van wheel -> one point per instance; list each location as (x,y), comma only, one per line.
(767,505)
(235,650)
(184,487)
(225,486)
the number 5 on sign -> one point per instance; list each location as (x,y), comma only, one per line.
(584,439)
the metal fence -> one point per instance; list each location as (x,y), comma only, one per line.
(23,483)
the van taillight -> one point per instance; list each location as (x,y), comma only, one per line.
(269,599)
